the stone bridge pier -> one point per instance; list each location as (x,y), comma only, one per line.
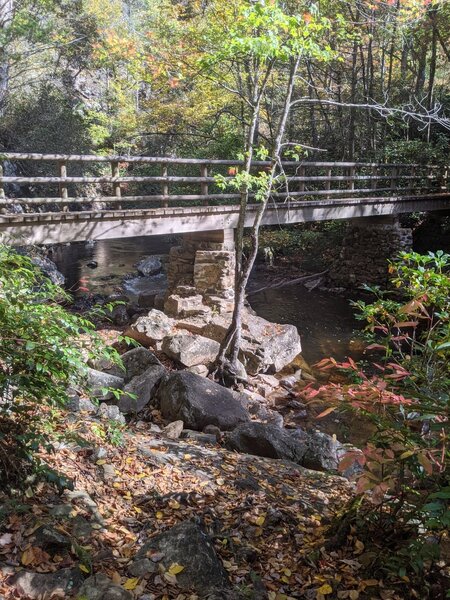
(368,244)
(200,275)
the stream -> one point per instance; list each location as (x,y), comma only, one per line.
(325,320)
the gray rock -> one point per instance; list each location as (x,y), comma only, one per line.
(81,528)
(198,436)
(49,269)
(119,315)
(137,361)
(98,381)
(108,472)
(323,452)
(138,392)
(99,454)
(173,430)
(267,440)
(150,329)
(111,412)
(49,538)
(190,350)
(77,404)
(268,346)
(199,402)
(100,587)
(62,584)
(142,567)
(151,265)
(188,545)
(199,370)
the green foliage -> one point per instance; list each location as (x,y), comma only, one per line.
(414,329)
(44,351)
(405,395)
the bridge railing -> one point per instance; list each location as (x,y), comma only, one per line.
(87,182)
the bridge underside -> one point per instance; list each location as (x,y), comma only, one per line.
(50,228)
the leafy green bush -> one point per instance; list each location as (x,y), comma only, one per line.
(402,511)
(44,350)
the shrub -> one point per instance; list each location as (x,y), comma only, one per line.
(402,511)
(44,349)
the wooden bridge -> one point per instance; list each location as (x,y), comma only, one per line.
(97,197)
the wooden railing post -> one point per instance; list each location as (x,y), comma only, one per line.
(412,185)
(394,179)
(165,186)
(301,173)
(351,183)
(115,172)
(204,184)
(63,192)
(328,183)
(2,187)
(374,182)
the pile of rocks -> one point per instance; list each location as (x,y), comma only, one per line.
(194,340)
(196,407)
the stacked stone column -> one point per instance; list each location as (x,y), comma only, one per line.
(201,275)
(367,246)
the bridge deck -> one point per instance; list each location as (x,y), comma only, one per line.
(49,228)
(136,196)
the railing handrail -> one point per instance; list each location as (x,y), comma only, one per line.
(33,156)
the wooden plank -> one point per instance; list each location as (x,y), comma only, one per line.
(204,186)
(170,160)
(165,185)
(115,173)
(2,189)
(190,198)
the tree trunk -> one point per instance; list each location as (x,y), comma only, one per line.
(6,16)
(226,366)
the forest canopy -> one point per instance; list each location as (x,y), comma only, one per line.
(110,76)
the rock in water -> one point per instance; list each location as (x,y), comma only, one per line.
(151,265)
(271,441)
(138,392)
(190,350)
(199,402)
(60,584)
(49,269)
(187,545)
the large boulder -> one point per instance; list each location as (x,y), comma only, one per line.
(138,392)
(151,329)
(60,584)
(137,361)
(190,350)
(187,545)
(99,383)
(49,269)
(150,265)
(265,346)
(198,402)
(271,441)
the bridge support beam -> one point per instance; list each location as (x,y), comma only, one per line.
(367,246)
(201,275)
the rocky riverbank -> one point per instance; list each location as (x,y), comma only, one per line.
(175,487)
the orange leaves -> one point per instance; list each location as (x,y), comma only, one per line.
(34,556)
